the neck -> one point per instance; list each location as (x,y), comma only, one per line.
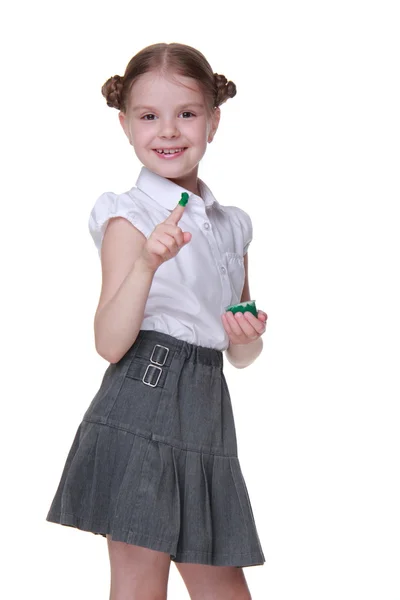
(189,182)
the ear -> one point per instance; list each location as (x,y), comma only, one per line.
(215,122)
(122,120)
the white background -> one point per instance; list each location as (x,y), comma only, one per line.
(310,148)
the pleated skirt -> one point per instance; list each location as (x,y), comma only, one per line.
(154,461)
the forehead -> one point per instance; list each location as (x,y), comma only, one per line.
(152,87)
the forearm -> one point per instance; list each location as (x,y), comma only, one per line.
(242,355)
(118,323)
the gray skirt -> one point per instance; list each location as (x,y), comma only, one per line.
(154,461)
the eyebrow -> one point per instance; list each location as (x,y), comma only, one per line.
(141,107)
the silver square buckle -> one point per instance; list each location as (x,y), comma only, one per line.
(158,377)
(165,357)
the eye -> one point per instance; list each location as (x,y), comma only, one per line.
(150,115)
(186,112)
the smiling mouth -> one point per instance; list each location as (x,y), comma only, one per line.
(169,152)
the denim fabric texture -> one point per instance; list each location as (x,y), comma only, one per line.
(154,460)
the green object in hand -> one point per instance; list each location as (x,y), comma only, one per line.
(184,200)
(249,306)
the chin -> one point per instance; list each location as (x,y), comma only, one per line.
(172,170)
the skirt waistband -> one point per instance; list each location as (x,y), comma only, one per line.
(157,345)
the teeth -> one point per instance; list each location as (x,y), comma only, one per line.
(170,151)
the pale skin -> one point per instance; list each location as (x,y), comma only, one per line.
(138,573)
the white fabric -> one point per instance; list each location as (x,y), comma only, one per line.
(190,291)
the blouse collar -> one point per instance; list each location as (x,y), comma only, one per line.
(167,193)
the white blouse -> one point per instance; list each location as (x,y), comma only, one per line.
(190,291)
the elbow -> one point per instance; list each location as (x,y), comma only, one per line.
(104,347)
(240,365)
(107,352)
(110,354)
(107,355)
(234,362)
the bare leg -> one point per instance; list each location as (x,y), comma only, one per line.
(205,582)
(137,573)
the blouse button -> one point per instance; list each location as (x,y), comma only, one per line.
(206,226)
(223,270)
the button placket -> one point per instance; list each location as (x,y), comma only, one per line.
(218,258)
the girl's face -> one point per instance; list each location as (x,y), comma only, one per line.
(164,114)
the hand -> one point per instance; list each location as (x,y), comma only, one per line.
(244,328)
(165,240)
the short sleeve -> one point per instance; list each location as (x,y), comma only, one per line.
(110,205)
(247,229)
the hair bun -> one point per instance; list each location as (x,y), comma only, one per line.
(224,89)
(112,91)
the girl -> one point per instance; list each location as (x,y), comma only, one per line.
(153,466)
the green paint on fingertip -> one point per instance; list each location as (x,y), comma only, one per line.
(184,199)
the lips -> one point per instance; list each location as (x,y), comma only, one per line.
(168,149)
(169,156)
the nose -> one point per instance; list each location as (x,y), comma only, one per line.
(168,128)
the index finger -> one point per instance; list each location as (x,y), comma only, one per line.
(178,211)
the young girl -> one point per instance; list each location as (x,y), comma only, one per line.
(154,466)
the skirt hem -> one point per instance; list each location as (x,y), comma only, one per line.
(161,545)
